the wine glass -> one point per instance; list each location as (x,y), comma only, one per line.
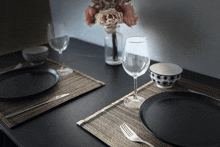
(58,39)
(135,61)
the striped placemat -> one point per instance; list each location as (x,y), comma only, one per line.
(105,123)
(76,84)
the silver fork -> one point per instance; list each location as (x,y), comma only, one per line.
(132,136)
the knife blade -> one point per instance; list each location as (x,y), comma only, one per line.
(16,67)
(48,101)
(193,91)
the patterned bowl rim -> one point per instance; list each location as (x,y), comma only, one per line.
(165,75)
(26,51)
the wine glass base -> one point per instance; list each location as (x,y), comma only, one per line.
(134,103)
(65,71)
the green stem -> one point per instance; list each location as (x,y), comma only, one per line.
(114,46)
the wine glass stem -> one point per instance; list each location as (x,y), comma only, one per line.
(61,58)
(135,87)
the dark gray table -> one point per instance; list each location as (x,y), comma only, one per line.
(57,127)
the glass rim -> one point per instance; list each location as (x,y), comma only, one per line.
(140,39)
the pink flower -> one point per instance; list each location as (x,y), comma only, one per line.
(129,17)
(117,12)
(89,13)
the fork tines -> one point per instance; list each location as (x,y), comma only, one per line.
(127,129)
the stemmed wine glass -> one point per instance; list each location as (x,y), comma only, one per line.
(58,39)
(135,61)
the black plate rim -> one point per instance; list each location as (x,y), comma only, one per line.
(33,68)
(175,92)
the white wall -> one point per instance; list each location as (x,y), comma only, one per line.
(184,32)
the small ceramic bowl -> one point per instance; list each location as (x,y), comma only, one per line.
(36,55)
(165,75)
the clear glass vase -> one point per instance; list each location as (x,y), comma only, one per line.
(113,47)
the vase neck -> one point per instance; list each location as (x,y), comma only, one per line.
(117,29)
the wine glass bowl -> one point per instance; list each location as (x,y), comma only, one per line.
(60,43)
(58,40)
(135,61)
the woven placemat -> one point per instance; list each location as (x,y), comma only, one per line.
(76,84)
(105,123)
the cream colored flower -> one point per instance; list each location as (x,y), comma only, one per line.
(109,19)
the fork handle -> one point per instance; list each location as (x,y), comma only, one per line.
(147,143)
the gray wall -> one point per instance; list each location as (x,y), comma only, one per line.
(184,32)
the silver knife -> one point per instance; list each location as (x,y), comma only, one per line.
(48,101)
(193,91)
(16,67)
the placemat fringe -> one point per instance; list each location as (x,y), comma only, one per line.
(112,104)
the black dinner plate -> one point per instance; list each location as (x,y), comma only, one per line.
(183,119)
(25,82)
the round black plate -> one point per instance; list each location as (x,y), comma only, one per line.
(183,119)
(27,81)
